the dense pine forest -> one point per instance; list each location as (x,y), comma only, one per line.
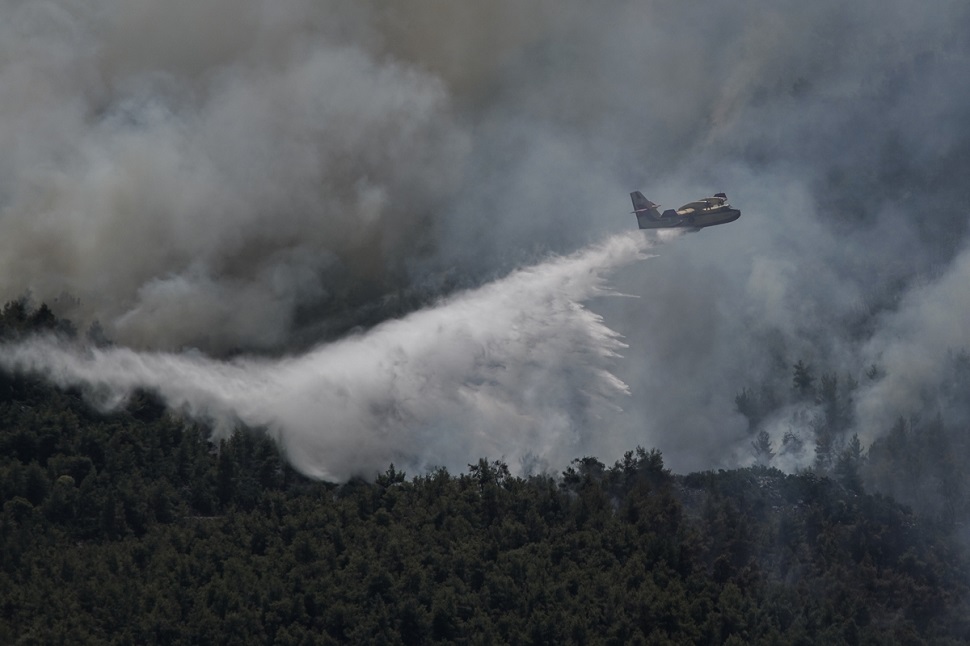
(135,527)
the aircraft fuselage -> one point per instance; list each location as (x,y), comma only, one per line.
(692,220)
(706,212)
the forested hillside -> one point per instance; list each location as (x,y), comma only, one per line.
(132,527)
(918,460)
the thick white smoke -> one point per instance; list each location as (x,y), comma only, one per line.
(201,190)
(913,345)
(518,369)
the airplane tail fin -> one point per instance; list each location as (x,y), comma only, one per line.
(643,207)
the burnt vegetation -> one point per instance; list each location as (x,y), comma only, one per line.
(135,527)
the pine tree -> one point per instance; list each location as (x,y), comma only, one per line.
(803,381)
(848,467)
(762,449)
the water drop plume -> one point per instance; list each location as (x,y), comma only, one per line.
(517,369)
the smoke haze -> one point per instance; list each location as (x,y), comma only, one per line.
(322,180)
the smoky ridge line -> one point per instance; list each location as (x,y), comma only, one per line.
(517,368)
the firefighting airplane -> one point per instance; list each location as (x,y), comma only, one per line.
(693,216)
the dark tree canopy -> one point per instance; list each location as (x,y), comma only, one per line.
(138,527)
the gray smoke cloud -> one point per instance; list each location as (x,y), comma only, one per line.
(200,189)
(913,346)
(267,176)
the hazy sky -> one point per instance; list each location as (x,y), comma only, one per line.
(265,177)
